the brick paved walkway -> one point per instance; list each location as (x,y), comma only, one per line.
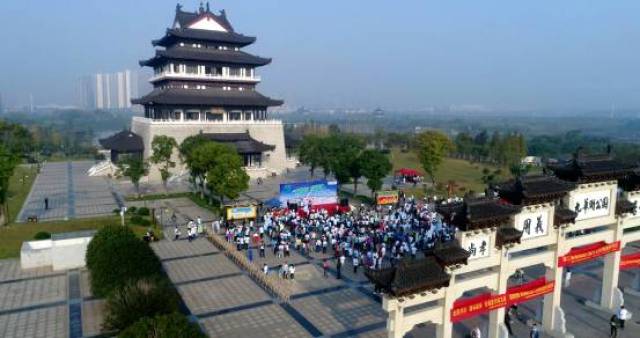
(39,303)
(227,303)
(71,193)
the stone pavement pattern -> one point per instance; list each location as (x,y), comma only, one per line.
(40,302)
(71,193)
(227,303)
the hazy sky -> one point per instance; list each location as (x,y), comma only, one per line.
(394,54)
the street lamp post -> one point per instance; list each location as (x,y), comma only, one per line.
(122,212)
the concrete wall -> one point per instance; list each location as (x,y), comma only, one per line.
(69,253)
(268,132)
(63,254)
(35,254)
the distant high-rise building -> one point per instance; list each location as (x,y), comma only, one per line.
(109,90)
(1,105)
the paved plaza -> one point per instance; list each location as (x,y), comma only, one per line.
(220,296)
(227,303)
(40,303)
(71,193)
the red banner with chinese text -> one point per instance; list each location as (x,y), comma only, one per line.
(467,308)
(631,261)
(587,253)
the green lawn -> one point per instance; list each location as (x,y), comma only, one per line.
(12,236)
(466,175)
(19,187)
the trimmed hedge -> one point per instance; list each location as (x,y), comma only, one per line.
(115,256)
(138,299)
(143,211)
(165,326)
(42,235)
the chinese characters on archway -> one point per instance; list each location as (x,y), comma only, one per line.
(533,224)
(478,246)
(592,204)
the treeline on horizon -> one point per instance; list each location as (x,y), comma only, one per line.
(73,133)
(503,148)
(65,133)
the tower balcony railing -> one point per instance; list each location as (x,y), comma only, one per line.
(146,120)
(185,76)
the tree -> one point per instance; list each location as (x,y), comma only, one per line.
(134,168)
(8,163)
(186,150)
(227,178)
(163,326)
(341,157)
(162,147)
(145,297)
(432,147)
(115,256)
(311,152)
(375,167)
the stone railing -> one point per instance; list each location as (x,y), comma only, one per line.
(271,282)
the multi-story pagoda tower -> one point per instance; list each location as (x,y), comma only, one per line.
(205,83)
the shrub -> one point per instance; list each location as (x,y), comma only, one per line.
(136,219)
(138,299)
(116,211)
(42,235)
(164,326)
(115,256)
(131,210)
(143,211)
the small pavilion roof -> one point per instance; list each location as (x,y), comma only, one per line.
(508,235)
(410,276)
(624,206)
(174,35)
(472,214)
(530,190)
(242,142)
(584,168)
(124,142)
(563,216)
(450,253)
(206,55)
(210,96)
(631,182)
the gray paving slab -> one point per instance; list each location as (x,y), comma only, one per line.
(198,268)
(92,317)
(168,249)
(269,321)
(343,310)
(10,271)
(40,323)
(70,191)
(221,294)
(33,291)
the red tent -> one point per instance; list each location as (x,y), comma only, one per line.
(407,172)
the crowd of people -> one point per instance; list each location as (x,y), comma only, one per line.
(368,236)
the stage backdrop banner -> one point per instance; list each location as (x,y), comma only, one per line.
(387,197)
(236,213)
(318,192)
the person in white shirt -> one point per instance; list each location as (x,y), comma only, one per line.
(265,269)
(292,271)
(623,314)
(475,333)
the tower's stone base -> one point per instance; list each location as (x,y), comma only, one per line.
(269,132)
